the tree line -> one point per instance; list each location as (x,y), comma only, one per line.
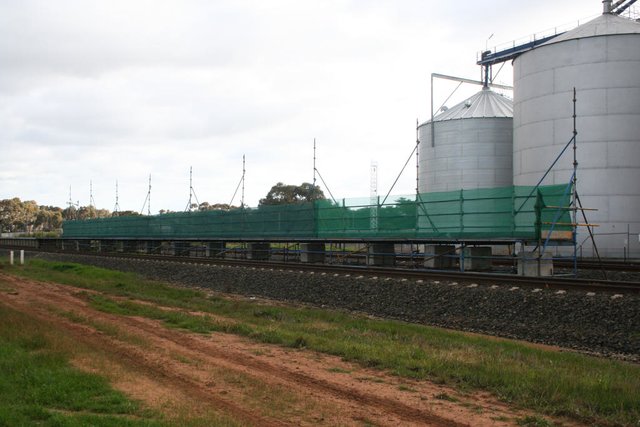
(17,216)
(29,217)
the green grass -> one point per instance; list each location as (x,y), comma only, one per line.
(445,396)
(403,387)
(531,421)
(585,388)
(337,370)
(39,387)
(105,328)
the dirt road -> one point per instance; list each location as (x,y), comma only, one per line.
(252,383)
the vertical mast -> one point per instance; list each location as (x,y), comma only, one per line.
(92,202)
(243,174)
(373,194)
(73,205)
(241,183)
(190,188)
(147,200)
(314,162)
(417,158)
(116,208)
(575,189)
(433,127)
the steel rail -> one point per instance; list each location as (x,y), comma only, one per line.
(627,266)
(548,282)
(596,265)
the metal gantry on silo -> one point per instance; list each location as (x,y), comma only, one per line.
(471,146)
(601,59)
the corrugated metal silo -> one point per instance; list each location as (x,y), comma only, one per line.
(601,59)
(472,145)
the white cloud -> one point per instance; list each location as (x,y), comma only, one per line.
(105,90)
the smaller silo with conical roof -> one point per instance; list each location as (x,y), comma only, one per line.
(468,146)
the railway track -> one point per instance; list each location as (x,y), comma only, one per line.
(553,282)
(629,266)
(582,264)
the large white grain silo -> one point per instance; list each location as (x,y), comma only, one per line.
(601,59)
(471,146)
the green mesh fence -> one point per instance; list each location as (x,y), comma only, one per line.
(266,221)
(510,212)
(363,218)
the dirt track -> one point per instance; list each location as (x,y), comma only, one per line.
(252,383)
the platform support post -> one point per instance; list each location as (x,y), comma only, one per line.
(312,252)
(381,254)
(259,251)
(439,256)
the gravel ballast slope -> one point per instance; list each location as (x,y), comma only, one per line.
(601,323)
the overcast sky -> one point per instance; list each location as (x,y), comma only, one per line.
(116,90)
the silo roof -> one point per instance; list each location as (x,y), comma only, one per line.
(483,104)
(604,25)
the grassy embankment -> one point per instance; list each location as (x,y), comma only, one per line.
(584,388)
(40,386)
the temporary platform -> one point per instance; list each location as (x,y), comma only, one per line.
(516,212)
